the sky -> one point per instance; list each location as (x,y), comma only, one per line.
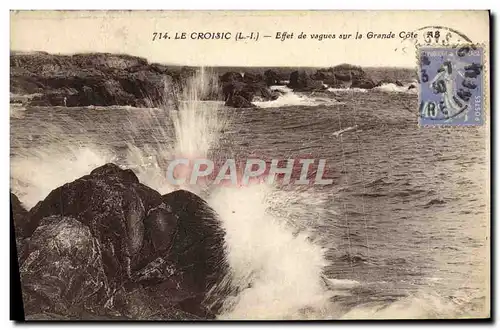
(131,32)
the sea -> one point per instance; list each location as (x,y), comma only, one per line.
(401,232)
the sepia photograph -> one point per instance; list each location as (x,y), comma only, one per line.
(250,165)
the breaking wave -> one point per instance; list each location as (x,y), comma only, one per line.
(36,172)
(387,88)
(290,98)
(393,88)
(347,90)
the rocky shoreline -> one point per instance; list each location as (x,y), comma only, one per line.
(106,246)
(103,79)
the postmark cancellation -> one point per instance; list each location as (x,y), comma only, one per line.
(451,85)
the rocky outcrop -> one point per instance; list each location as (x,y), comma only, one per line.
(238,101)
(272,78)
(340,76)
(301,82)
(103,79)
(230,77)
(106,245)
(344,76)
(99,79)
(239,91)
(250,78)
(363,82)
(327,76)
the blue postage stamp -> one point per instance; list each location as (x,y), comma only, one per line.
(451,86)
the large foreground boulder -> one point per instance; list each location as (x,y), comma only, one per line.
(107,245)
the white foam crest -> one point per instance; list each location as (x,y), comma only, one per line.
(276,273)
(347,90)
(17,111)
(422,305)
(36,172)
(341,283)
(281,88)
(345,130)
(393,88)
(147,162)
(289,98)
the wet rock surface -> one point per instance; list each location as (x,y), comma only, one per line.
(107,246)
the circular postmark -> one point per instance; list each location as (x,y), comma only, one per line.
(433,36)
(439,36)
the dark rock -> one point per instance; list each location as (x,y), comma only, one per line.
(190,263)
(19,214)
(20,219)
(231,77)
(99,79)
(113,204)
(364,83)
(327,76)
(250,78)
(301,82)
(234,88)
(143,303)
(112,171)
(293,82)
(64,271)
(263,92)
(340,76)
(198,246)
(271,78)
(106,246)
(348,72)
(239,101)
(240,94)
(160,229)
